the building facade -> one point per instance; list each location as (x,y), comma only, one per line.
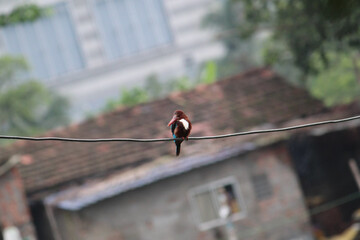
(254,195)
(88,49)
(241,187)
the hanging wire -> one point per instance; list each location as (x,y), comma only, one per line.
(172,139)
(338,202)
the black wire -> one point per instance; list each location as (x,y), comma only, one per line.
(172,139)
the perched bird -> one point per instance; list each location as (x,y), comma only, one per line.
(180,128)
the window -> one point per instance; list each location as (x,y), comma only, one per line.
(48,44)
(216,202)
(261,186)
(128,27)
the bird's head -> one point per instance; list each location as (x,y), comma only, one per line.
(178,114)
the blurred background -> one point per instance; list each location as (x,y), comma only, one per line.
(119,68)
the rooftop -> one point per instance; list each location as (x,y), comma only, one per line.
(256,98)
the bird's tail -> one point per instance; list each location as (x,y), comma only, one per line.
(178,144)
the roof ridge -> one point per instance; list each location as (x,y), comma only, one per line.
(245,100)
(122,108)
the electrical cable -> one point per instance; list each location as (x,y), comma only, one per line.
(172,139)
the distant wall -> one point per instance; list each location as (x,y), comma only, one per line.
(190,43)
(13,206)
(162,210)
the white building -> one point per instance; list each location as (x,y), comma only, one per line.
(88,49)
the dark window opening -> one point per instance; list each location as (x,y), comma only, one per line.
(41,223)
(326,177)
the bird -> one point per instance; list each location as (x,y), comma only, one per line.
(180,128)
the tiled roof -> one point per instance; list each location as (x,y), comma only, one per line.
(254,98)
(78,196)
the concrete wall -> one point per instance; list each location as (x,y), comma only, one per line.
(89,89)
(14,211)
(162,210)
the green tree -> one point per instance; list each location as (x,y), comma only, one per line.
(293,34)
(23,13)
(209,73)
(305,27)
(337,83)
(26,106)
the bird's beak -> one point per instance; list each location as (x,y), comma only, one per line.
(172,120)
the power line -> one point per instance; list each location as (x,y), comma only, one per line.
(338,202)
(172,139)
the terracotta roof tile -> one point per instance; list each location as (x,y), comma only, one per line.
(250,99)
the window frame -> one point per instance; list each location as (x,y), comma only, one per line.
(231,180)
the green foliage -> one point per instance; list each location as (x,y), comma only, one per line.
(337,83)
(133,96)
(273,52)
(305,27)
(128,97)
(155,89)
(206,75)
(10,67)
(23,13)
(297,39)
(277,55)
(110,105)
(182,84)
(26,107)
(209,73)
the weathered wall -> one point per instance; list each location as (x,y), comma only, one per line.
(162,210)
(13,206)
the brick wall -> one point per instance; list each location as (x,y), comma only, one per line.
(13,206)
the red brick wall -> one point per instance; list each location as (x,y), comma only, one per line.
(13,206)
